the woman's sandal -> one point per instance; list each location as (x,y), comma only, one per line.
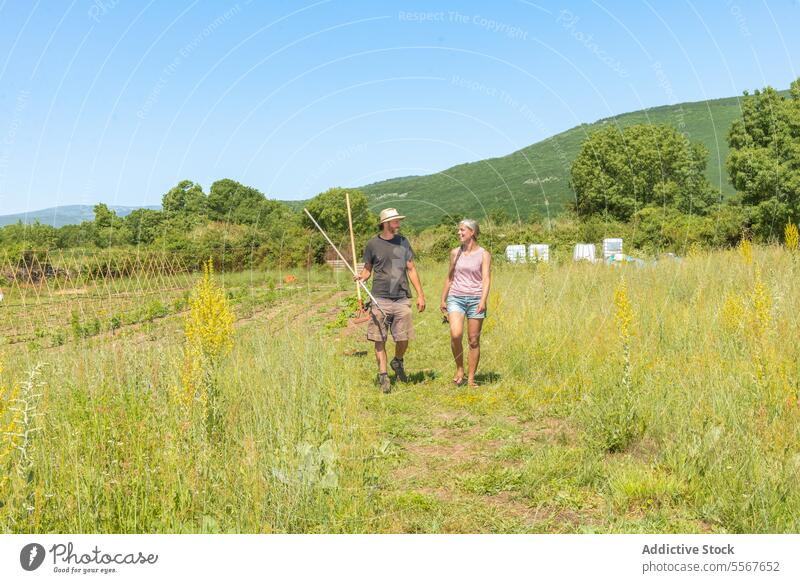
(460,382)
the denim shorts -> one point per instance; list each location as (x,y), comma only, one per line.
(467,305)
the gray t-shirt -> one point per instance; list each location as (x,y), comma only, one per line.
(388,260)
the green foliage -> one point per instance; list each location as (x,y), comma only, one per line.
(498,216)
(537,176)
(349,308)
(144,225)
(103,216)
(186,196)
(441,247)
(155,309)
(107,230)
(310,446)
(329,209)
(619,172)
(610,419)
(635,175)
(231,201)
(34,236)
(664,229)
(84,328)
(115,322)
(764,161)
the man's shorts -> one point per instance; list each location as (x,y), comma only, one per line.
(467,305)
(398,320)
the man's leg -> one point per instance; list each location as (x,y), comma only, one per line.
(400,347)
(380,355)
(383,376)
(376,332)
(402,332)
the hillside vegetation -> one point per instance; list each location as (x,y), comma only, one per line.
(537,177)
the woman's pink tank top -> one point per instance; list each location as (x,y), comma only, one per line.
(468,277)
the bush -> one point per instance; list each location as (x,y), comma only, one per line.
(610,419)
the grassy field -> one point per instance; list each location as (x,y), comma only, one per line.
(653,399)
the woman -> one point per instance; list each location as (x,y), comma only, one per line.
(465,293)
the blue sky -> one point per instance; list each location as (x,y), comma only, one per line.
(116,101)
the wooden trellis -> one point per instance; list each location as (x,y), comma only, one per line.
(44,293)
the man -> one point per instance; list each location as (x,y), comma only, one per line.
(390,257)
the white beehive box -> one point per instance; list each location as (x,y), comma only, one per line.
(539,252)
(515,253)
(611,247)
(584,252)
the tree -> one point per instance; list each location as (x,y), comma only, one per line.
(498,216)
(618,172)
(764,161)
(330,211)
(186,196)
(231,201)
(107,229)
(103,216)
(144,225)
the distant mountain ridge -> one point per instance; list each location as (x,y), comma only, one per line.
(70,214)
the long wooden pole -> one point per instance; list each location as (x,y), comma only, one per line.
(353,244)
(339,253)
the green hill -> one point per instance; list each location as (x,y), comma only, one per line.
(59,216)
(538,176)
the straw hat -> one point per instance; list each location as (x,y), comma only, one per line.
(390,215)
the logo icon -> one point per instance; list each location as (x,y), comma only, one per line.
(31,556)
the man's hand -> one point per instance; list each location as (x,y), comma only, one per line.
(421,303)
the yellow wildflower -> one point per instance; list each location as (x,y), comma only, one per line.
(746,251)
(791,237)
(208,338)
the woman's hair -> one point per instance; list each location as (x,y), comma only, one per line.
(472,225)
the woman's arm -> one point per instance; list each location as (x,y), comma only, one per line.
(486,280)
(448,281)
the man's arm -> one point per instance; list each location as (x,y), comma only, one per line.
(365,273)
(414,277)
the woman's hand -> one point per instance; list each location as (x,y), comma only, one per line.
(443,306)
(481,307)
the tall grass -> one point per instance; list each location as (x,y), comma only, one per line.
(115,453)
(682,385)
(713,369)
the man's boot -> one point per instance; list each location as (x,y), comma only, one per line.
(384,382)
(397,367)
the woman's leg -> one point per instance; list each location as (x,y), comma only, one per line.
(474,338)
(456,337)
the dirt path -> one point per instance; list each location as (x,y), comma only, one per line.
(502,457)
(461,472)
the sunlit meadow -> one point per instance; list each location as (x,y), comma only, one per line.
(661,398)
